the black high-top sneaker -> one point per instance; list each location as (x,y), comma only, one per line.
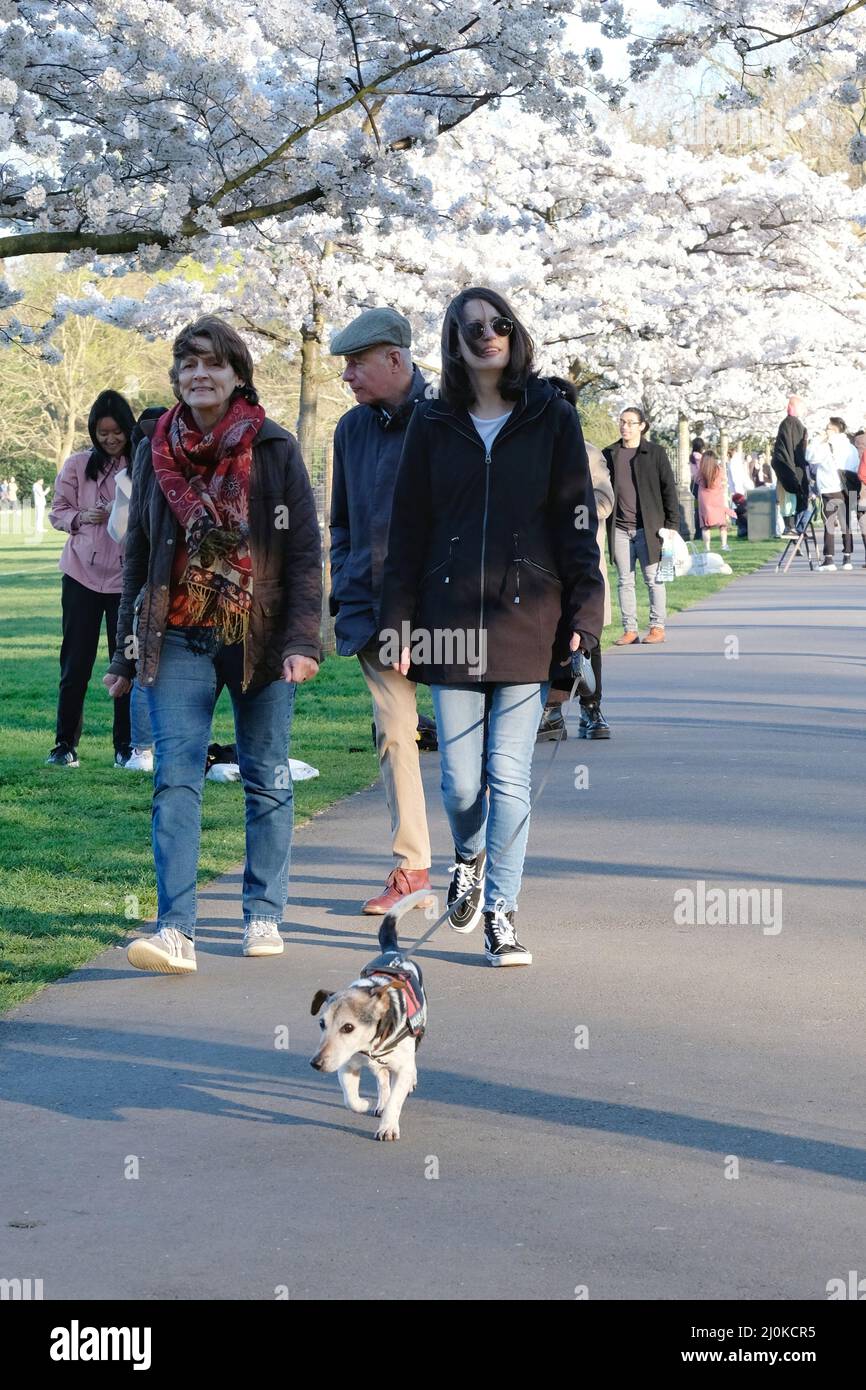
(592,722)
(467,876)
(63,755)
(501,946)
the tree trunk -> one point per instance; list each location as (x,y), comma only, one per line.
(684,479)
(724,445)
(67,439)
(308,405)
(329,640)
(683,450)
(311,352)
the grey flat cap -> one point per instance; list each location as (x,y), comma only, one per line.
(372,327)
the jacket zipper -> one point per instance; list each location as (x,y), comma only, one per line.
(517,559)
(543,569)
(505,432)
(443,563)
(451,545)
(484,538)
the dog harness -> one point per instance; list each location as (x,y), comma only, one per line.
(408,1002)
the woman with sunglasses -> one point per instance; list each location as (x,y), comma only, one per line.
(492,580)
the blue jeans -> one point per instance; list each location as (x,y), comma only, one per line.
(486,741)
(142,735)
(181,703)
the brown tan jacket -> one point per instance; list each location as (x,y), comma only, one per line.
(604,502)
(285,543)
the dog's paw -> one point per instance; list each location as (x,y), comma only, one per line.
(378,1111)
(360,1107)
(388,1132)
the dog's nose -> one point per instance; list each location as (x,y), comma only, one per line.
(316,1062)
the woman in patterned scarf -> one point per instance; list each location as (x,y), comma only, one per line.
(222,585)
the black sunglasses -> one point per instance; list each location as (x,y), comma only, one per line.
(502,327)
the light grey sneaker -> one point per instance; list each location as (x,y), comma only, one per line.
(262,937)
(168,951)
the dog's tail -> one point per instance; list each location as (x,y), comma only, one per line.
(388,930)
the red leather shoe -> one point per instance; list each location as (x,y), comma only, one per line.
(401,882)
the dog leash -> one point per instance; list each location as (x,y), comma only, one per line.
(584,677)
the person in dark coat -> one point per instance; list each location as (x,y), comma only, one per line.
(491,582)
(646,502)
(367,447)
(222,582)
(789,456)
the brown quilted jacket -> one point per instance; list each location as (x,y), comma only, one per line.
(285,543)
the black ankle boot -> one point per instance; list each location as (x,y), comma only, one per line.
(593,723)
(552,724)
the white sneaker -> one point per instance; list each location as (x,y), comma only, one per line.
(168,951)
(847,565)
(826,566)
(140,760)
(262,937)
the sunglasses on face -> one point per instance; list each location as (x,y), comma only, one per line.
(474,331)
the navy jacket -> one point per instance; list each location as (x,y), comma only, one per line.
(493,560)
(367,448)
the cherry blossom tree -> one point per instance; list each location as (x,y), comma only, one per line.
(138,126)
(764,40)
(691,281)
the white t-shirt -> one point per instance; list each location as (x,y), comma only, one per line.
(489,429)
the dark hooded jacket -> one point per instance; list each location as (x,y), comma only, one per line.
(492,560)
(789,457)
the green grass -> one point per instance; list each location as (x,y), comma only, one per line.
(75,853)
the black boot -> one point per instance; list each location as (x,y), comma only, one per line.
(552,724)
(592,722)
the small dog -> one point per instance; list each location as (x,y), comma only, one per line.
(379,1020)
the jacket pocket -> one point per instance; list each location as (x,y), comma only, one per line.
(443,564)
(543,571)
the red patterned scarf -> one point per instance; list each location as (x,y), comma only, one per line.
(206,482)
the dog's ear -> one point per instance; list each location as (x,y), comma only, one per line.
(320,997)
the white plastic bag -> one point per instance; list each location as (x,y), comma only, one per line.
(676,559)
(230,772)
(706,562)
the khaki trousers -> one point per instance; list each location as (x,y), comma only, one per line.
(396,717)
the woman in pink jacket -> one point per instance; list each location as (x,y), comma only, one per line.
(712,498)
(91,565)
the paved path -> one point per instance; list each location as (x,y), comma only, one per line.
(558,1166)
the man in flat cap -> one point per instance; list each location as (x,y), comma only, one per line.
(367,447)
